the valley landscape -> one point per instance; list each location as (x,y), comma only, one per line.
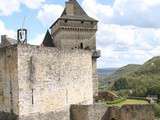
(134,81)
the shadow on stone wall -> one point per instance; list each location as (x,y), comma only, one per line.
(59,115)
(8,116)
(90,112)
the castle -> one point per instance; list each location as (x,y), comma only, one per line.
(57,80)
(75,30)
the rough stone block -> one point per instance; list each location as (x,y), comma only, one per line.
(88,112)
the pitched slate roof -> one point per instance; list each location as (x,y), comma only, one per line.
(78,13)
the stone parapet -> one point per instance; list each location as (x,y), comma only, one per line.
(88,112)
(102,112)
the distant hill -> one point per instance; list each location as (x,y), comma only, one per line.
(136,80)
(115,74)
(104,72)
(126,70)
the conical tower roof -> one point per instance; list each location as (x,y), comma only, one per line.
(48,41)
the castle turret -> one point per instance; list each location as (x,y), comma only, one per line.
(74,29)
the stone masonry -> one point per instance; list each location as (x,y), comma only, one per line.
(37,80)
(102,112)
(74,29)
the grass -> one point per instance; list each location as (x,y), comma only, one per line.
(129,102)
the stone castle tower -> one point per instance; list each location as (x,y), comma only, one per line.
(75,30)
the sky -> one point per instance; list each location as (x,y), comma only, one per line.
(128,30)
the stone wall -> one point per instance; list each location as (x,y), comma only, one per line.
(137,112)
(101,112)
(53,115)
(76,35)
(41,83)
(51,79)
(72,39)
(88,112)
(8,80)
(95,77)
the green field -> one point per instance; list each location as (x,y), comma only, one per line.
(129,102)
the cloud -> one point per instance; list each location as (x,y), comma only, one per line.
(7,7)
(6,31)
(49,13)
(33,4)
(97,10)
(121,45)
(37,40)
(128,30)
(142,13)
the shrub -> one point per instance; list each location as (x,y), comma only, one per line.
(156,108)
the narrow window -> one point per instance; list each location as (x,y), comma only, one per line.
(32,97)
(66,21)
(82,22)
(113,119)
(81,45)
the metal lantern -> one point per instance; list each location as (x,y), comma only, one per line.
(22,36)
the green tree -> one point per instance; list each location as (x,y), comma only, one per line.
(121,83)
